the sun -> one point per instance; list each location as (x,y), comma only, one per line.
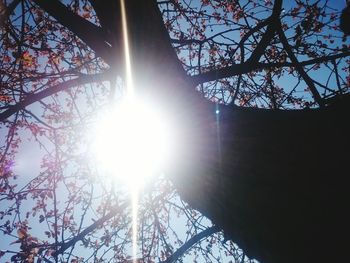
(132,142)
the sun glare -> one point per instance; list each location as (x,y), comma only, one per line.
(132,142)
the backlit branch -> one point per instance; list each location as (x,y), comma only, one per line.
(91,34)
(244,68)
(32,98)
(299,67)
(268,35)
(180,251)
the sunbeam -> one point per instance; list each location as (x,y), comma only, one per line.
(132,141)
(130,96)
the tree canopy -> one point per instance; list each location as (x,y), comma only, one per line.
(61,68)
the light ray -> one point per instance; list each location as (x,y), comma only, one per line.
(128,71)
(133,140)
(130,96)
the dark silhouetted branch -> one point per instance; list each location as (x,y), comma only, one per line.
(268,35)
(89,229)
(91,34)
(180,251)
(34,97)
(247,67)
(299,67)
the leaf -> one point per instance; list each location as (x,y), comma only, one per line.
(41,218)
(48,233)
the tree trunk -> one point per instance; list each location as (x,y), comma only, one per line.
(281,190)
(276,182)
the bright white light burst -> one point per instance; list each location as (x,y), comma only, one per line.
(132,142)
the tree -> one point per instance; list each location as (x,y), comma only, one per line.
(258,170)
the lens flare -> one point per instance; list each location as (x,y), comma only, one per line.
(132,142)
(130,93)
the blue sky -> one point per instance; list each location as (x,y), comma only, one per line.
(28,159)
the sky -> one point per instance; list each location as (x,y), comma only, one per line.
(27,164)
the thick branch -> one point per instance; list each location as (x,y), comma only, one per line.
(234,70)
(6,11)
(34,97)
(91,34)
(268,35)
(247,67)
(107,12)
(179,252)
